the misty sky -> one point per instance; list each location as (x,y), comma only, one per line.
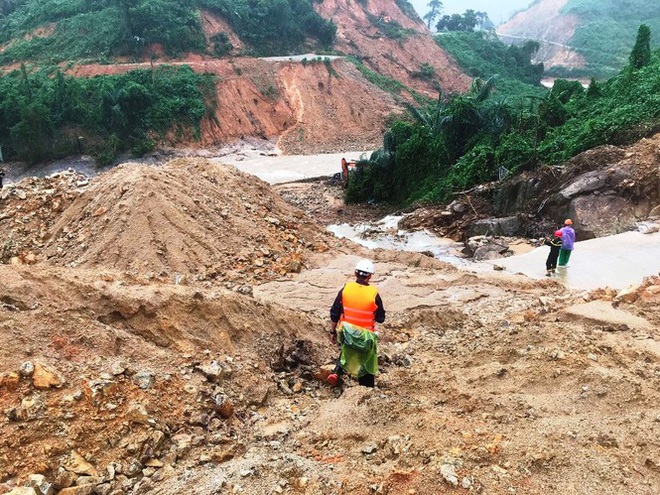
(497,10)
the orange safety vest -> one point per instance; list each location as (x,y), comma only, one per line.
(359,303)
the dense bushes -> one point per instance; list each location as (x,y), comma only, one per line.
(99,29)
(464,140)
(43,116)
(274,27)
(482,54)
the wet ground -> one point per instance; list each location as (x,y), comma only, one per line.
(616,261)
(279,169)
(386,235)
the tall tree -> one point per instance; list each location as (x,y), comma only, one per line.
(641,52)
(458,22)
(434,13)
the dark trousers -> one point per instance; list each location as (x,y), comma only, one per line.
(551,262)
(365,381)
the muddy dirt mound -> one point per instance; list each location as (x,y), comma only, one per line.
(132,364)
(99,314)
(190,219)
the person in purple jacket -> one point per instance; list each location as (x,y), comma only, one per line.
(567,243)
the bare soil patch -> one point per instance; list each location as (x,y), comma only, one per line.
(116,376)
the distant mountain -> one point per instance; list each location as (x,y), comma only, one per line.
(583,37)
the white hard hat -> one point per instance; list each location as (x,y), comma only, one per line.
(364,267)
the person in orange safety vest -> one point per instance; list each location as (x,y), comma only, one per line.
(360,304)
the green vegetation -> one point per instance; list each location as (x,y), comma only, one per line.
(46,115)
(390,28)
(52,31)
(461,141)
(462,23)
(481,54)
(426,72)
(641,53)
(389,85)
(435,11)
(407,8)
(275,27)
(607,30)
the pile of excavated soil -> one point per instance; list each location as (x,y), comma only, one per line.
(189,219)
(109,370)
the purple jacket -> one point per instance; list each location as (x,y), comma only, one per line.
(568,238)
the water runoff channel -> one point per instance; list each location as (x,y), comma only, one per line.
(383,234)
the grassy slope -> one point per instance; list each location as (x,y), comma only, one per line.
(608,29)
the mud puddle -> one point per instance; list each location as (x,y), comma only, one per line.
(616,261)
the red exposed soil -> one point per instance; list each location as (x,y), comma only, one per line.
(312,107)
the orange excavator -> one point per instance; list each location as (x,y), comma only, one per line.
(346,168)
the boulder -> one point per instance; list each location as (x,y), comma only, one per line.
(76,463)
(45,377)
(10,381)
(515,195)
(583,184)
(40,484)
(599,216)
(77,490)
(506,226)
(22,490)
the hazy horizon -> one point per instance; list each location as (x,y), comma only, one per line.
(497,11)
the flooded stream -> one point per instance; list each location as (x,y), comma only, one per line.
(386,235)
(615,261)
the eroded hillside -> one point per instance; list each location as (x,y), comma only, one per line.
(310,104)
(585,37)
(544,22)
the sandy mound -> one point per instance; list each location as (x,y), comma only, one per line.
(188,218)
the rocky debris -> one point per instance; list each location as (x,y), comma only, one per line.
(606,190)
(487,384)
(507,226)
(30,208)
(648,227)
(44,377)
(483,247)
(452,221)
